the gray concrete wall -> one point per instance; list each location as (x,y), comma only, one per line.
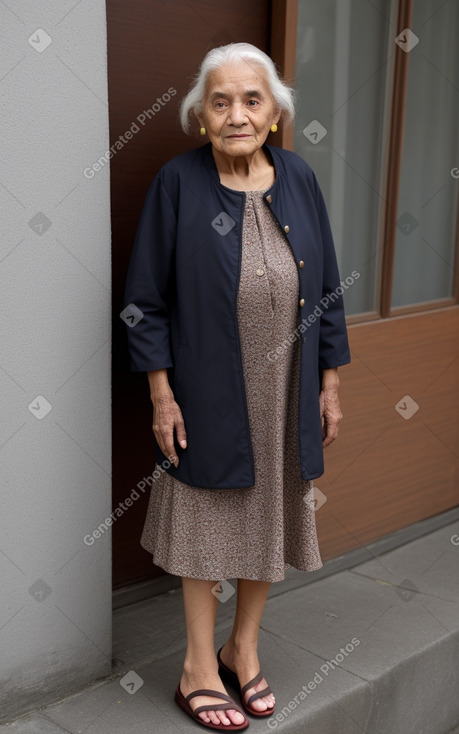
(55,612)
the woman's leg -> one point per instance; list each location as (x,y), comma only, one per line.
(200,668)
(240,651)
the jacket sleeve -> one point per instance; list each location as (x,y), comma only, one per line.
(150,283)
(333,341)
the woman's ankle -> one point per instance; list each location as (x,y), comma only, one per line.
(193,667)
(242,646)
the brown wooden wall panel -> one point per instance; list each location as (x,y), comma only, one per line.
(385,472)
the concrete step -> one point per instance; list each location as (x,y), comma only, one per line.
(370,650)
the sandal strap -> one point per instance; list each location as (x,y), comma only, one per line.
(259,694)
(251,683)
(209,692)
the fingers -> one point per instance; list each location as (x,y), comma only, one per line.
(180,429)
(167,416)
(164,437)
(330,427)
(331,415)
(330,435)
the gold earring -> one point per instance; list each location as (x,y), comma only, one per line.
(274,128)
(202,131)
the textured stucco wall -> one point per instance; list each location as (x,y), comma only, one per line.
(55,608)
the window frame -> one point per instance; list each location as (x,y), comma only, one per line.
(284,26)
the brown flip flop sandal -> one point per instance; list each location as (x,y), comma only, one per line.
(184,704)
(231,677)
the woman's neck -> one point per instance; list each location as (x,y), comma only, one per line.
(244,173)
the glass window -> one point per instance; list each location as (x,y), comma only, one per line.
(426,216)
(343,51)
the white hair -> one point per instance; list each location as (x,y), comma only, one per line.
(284,96)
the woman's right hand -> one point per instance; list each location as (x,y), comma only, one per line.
(167,417)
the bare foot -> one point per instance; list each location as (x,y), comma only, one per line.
(245,664)
(192,682)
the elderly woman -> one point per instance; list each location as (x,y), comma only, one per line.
(236,316)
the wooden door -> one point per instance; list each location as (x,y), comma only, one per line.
(154,49)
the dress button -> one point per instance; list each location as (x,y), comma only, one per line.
(269,198)
(302,302)
(301,263)
(260,271)
(287,229)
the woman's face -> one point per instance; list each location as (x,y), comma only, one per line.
(238,109)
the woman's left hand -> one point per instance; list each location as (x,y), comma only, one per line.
(330,411)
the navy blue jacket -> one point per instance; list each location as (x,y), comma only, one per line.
(183,281)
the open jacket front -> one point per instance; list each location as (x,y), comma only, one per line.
(183,281)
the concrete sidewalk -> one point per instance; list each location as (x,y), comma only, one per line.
(370,650)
